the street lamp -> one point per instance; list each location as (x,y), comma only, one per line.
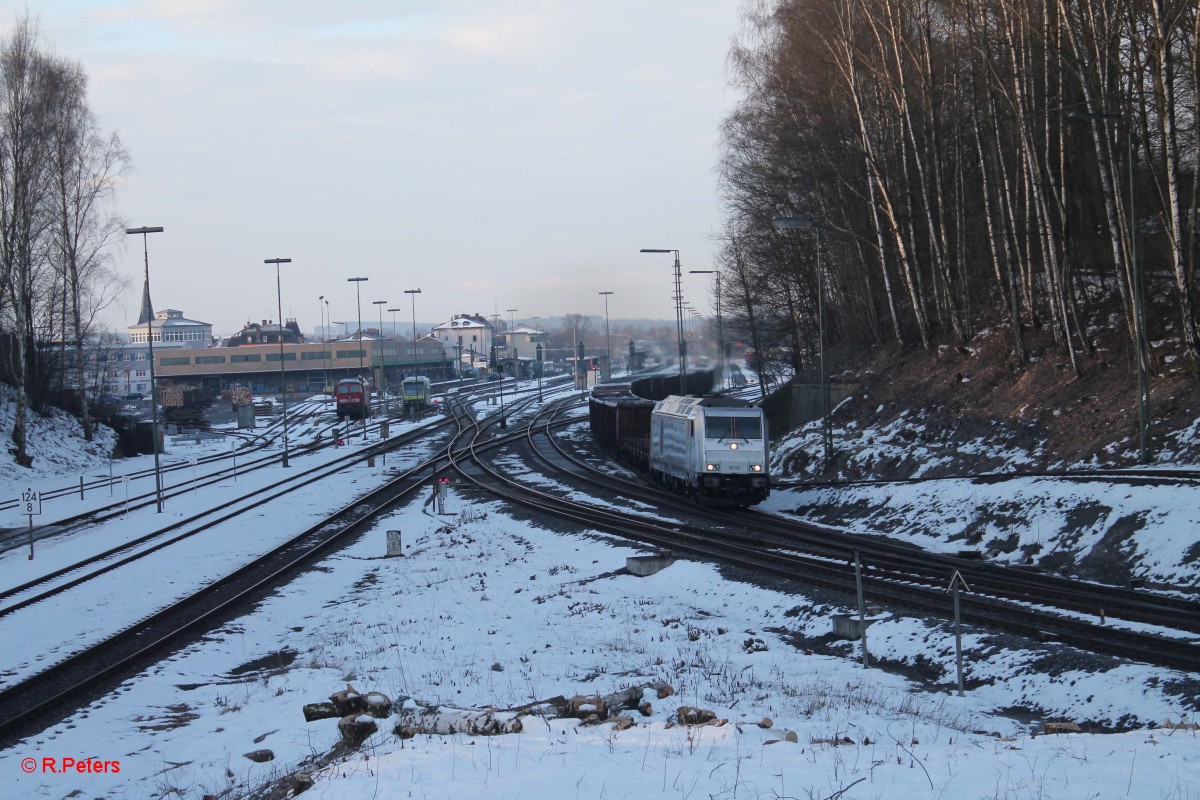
(325,341)
(678,298)
(361,368)
(282,378)
(1139,299)
(148,311)
(607,337)
(358,299)
(413,294)
(798,223)
(382,358)
(720,336)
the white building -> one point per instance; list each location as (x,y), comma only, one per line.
(169,326)
(467,337)
(523,340)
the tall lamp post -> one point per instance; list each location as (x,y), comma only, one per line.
(678,298)
(361,366)
(358,300)
(720,335)
(800,223)
(413,294)
(607,336)
(282,378)
(382,358)
(1139,298)
(148,311)
(322,307)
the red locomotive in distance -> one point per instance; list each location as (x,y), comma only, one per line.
(353,398)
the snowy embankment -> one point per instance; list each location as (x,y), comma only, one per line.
(1102,529)
(56,444)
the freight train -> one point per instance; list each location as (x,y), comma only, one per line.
(353,398)
(710,448)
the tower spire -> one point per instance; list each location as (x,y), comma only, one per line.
(147,306)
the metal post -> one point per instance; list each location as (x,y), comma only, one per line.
(413,294)
(678,298)
(323,306)
(361,366)
(149,311)
(958,640)
(382,357)
(511,342)
(862,615)
(957,582)
(607,335)
(282,377)
(539,362)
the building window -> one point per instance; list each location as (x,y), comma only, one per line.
(210,359)
(286,357)
(254,358)
(141,373)
(351,353)
(176,362)
(321,356)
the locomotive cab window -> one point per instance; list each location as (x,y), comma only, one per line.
(718,427)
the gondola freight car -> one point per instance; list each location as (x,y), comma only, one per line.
(620,423)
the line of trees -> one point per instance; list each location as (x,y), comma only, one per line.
(58,173)
(966,160)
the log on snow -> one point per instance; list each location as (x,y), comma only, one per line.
(446,720)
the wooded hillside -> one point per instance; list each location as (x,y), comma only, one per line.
(1009,162)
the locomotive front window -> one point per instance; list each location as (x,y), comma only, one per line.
(716,427)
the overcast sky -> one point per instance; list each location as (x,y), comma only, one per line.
(495,154)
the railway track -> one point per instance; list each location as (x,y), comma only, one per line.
(72,681)
(1089,616)
(320,438)
(1139,476)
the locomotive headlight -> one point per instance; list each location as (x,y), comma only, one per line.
(733,445)
(756,467)
(711,467)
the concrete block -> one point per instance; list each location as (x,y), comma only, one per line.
(643,566)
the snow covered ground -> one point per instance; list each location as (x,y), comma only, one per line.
(1112,530)
(486,608)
